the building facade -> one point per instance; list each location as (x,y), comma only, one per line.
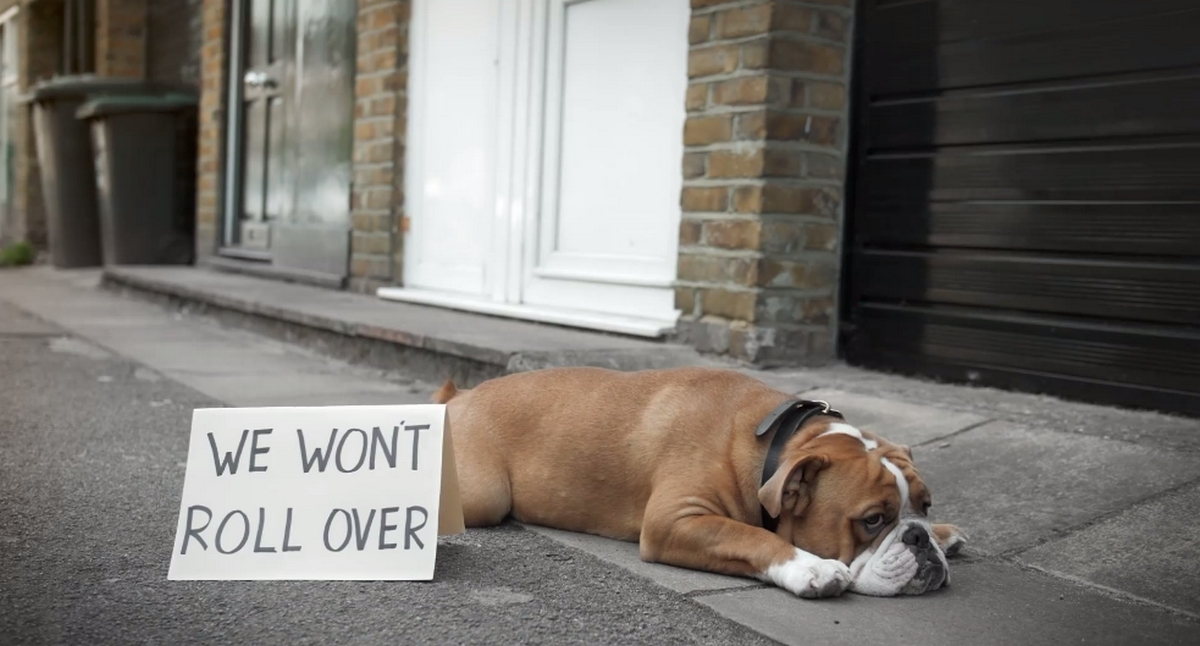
(971,191)
(963,190)
(659,168)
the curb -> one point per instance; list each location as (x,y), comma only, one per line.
(395,345)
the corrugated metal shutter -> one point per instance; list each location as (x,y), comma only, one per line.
(1026,202)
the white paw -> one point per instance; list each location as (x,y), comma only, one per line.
(952,545)
(811,577)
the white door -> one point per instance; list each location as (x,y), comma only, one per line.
(451,160)
(544,164)
(608,229)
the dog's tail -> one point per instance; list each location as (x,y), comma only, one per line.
(446,392)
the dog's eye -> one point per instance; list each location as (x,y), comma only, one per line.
(872,523)
(925,509)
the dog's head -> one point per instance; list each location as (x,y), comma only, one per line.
(843,494)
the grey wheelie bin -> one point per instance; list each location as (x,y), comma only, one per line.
(64,153)
(145,176)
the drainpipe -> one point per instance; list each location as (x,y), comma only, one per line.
(86,29)
(68,38)
(146,41)
(78,48)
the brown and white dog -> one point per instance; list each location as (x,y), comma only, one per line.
(671,459)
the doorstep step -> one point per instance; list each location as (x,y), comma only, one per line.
(427,342)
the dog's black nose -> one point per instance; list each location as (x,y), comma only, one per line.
(916,536)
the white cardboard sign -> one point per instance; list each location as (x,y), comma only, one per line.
(330,493)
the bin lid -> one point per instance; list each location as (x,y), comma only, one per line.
(80,86)
(135,104)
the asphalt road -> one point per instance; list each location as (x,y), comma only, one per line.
(92,450)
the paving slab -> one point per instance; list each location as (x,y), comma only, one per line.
(395,397)
(1163,564)
(232,366)
(72,345)
(784,381)
(212,356)
(625,554)
(281,390)
(986,603)
(1012,487)
(898,421)
(1146,427)
(129,325)
(14,322)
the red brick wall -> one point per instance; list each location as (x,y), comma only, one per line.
(121,38)
(764,167)
(379,126)
(211,117)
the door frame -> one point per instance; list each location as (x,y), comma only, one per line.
(234,116)
(235,134)
(9,82)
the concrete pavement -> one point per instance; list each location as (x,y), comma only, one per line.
(92,450)
(1084,520)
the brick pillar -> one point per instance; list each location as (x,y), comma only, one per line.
(121,38)
(211,126)
(764,168)
(379,123)
(40,29)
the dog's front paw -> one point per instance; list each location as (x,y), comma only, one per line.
(950,538)
(811,577)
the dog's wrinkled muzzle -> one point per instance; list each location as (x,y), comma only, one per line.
(906,562)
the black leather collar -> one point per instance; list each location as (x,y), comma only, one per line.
(785,420)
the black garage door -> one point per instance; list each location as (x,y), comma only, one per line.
(1026,201)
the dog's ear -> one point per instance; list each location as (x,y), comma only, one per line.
(791,486)
(445,393)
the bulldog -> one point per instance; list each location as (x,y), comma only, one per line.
(705,469)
